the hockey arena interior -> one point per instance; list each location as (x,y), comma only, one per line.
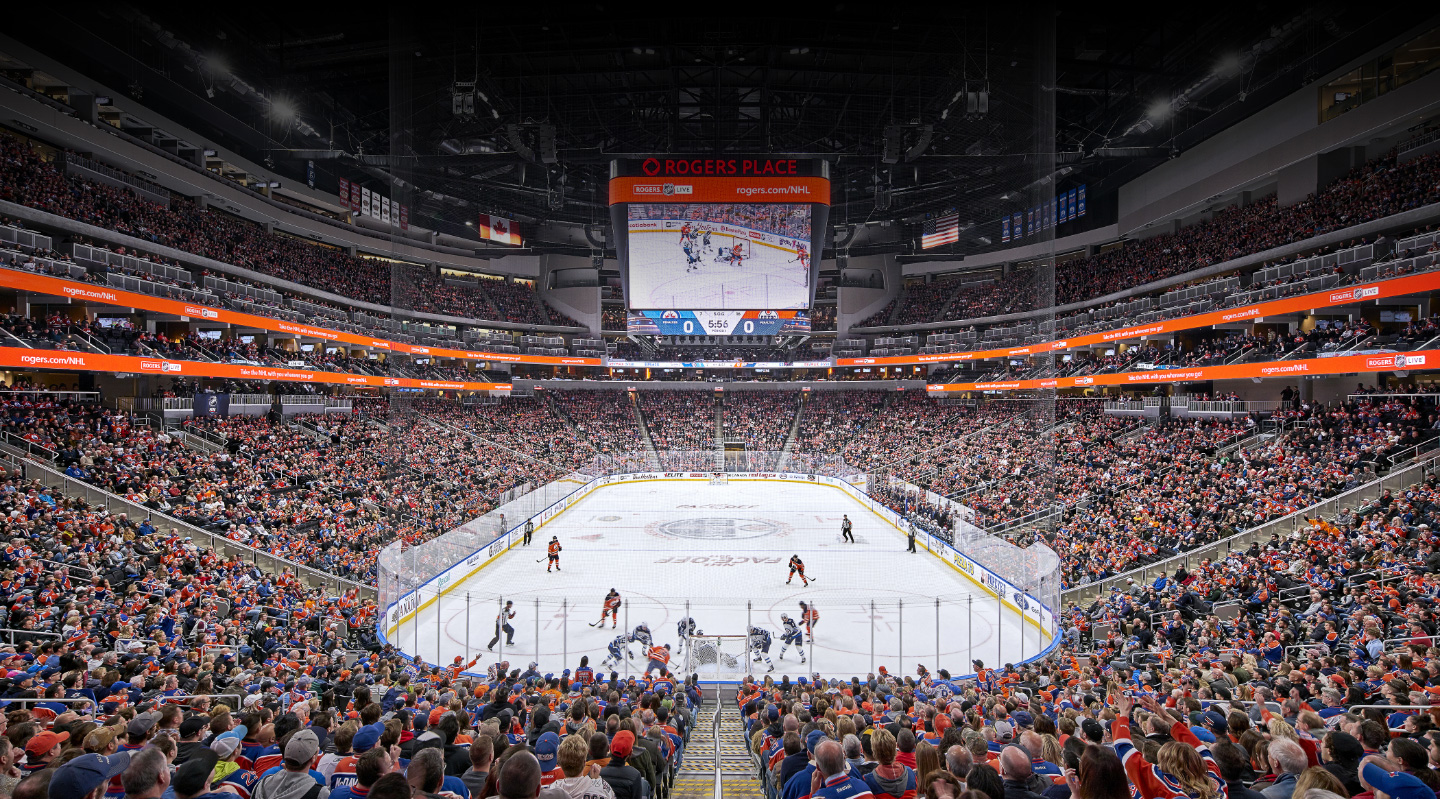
(591,403)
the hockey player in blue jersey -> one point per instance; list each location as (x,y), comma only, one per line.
(618,650)
(760,639)
(641,635)
(791,635)
(683,630)
(692,260)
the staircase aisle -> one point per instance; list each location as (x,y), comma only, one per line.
(696,779)
(719,434)
(788,448)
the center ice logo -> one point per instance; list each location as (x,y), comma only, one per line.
(719,528)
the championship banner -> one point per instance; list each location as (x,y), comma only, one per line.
(717,323)
(1424,361)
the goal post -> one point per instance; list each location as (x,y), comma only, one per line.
(718,657)
(727,242)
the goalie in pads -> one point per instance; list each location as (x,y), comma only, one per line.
(791,635)
(760,639)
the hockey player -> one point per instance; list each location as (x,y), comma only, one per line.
(617,651)
(705,243)
(692,259)
(808,617)
(554,550)
(611,609)
(737,255)
(641,635)
(658,657)
(760,639)
(683,630)
(791,635)
(685,233)
(797,566)
(802,254)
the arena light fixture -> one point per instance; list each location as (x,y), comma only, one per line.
(282,110)
(1229,66)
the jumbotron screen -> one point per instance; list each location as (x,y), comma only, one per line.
(716,254)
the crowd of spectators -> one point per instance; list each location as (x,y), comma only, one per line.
(144,665)
(1130,493)
(1379,188)
(605,418)
(761,419)
(679,420)
(28,179)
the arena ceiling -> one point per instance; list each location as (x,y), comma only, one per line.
(369,95)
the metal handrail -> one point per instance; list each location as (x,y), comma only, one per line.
(715,731)
(72,700)
(41,633)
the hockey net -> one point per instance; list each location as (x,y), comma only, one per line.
(728,243)
(719,479)
(718,657)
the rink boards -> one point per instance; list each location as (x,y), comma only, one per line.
(1030,610)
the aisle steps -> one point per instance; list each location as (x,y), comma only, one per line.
(696,779)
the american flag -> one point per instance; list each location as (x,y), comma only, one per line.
(942,230)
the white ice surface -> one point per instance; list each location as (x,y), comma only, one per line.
(724,549)
(769,280)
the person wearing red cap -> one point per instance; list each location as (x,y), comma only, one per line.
(42,749)
(624,779)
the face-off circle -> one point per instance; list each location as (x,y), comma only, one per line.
(718,528)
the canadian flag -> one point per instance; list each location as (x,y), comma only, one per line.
(498,229)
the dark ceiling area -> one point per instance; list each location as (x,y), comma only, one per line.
(520,113)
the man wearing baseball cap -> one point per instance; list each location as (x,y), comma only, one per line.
(546,748)
(295,780)
(42,749)
(86,776)
(193,778)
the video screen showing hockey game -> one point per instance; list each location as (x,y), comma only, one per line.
(719,256)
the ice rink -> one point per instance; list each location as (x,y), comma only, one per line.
(771,279)
(724,550)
